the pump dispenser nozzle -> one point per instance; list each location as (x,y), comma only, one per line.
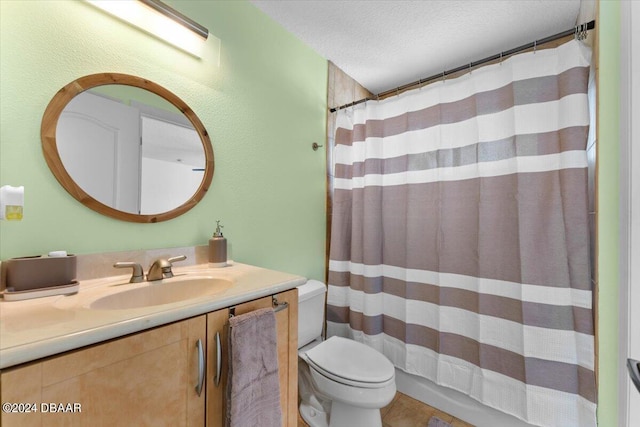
(218,232)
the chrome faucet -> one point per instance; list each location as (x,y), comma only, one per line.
(161,268)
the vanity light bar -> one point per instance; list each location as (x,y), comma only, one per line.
(185,21)
(160,20)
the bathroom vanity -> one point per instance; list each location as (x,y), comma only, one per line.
(75,360)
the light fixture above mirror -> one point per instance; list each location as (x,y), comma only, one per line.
(160,20)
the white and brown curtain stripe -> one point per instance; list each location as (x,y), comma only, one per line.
(460,234)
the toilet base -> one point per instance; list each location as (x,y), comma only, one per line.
(313,416)
(346,415)
(342,415)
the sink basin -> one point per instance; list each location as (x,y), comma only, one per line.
(165,292)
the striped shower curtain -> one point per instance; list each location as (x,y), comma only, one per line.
(460,236)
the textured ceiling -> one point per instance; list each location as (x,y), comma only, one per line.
(384,44)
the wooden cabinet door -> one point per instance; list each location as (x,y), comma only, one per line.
(217,355)
(287,329)
(145,379)
(287,321)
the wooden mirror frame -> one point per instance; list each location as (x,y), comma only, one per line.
(52,157)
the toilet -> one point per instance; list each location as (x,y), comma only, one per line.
(342,383)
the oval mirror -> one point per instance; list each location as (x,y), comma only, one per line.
(127,147)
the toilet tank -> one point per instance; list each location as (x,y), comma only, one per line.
(310,311)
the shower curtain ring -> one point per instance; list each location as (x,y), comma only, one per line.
(535,46)
(500,58)
(443,74)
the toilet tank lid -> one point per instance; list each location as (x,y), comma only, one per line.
(311,289)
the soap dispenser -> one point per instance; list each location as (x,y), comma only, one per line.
(218,248)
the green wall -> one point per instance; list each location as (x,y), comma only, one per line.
(263,106)
(608,202)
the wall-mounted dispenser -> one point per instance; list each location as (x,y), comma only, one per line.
(11,203)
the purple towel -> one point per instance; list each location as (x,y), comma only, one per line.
(253,387)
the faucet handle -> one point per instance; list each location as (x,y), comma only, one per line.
(177,258)
(166,271)
(137,275)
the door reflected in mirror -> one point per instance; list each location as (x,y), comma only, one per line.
(131,150)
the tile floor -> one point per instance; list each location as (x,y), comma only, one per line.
(405,411)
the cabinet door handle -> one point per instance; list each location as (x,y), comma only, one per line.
(218,360)
(200,367)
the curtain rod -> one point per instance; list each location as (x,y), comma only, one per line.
(579,31)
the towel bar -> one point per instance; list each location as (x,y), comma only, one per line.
(277,306)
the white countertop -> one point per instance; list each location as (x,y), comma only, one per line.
(41,327)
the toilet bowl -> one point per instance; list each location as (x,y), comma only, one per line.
(342,382)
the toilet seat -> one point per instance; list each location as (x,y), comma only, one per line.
(351,363)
